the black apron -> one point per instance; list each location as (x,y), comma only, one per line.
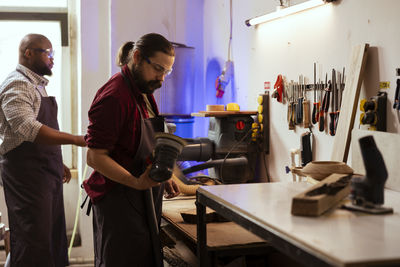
(32,177)
(122,235)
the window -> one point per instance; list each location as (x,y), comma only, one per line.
(50,18)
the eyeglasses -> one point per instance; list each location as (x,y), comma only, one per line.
(158,68)
(49,52)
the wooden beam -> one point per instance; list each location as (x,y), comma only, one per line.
(348,110)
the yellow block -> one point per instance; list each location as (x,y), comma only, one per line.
(232,107)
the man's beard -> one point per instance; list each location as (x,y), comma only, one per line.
(43,70)
(146,87)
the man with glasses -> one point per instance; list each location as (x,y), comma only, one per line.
(122,120)
(31,165)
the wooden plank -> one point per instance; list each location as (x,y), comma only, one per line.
(322,196)
(348,110)
(388,144)
(219,235)
(222,113)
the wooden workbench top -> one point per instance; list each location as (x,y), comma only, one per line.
(219,235)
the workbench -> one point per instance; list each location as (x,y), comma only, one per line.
(337,238)
(225,238)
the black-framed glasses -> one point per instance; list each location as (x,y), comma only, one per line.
(49,52)
(158,68)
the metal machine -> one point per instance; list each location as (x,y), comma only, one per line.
(228,149)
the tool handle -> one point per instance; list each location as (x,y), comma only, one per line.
(314,114)
(321,122)
(328,93)
(306,152)
(291,115)
(292,118)
(299,114)
(332,123)
(317,113)
(306,113)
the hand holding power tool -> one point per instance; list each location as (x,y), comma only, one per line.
(167,149)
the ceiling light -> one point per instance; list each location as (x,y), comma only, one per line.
(285,11)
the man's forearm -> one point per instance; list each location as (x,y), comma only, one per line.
(50,136)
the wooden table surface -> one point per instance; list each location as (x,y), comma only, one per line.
(339,237)
(220,234)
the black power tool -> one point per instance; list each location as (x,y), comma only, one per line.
(367,192)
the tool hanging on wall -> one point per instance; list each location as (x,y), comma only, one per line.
(306,151)
(333,106)
(278,89)
(306,107)
(228,71)
(340,94)
(299,111)
(290,115)
(325,100)
(315,112)
(396,102)
(374,112)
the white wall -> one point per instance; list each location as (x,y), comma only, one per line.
(291,45)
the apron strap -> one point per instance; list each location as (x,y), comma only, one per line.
(89,208)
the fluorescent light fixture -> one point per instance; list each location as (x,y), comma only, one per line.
(285,11)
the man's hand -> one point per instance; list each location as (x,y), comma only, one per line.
(79,141)
(171,189)
(144,181)
(67,175)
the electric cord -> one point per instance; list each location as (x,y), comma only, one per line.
(76,214)
(232,148)
(230,31)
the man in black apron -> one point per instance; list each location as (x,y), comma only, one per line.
(32,169)
(120,140)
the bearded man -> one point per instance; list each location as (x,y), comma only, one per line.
(122,122)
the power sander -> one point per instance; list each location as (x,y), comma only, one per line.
(367,192)
(167,149)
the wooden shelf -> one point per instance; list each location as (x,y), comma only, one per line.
(222,113)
